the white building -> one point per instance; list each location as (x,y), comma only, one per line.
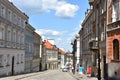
(12,24)
(77,55)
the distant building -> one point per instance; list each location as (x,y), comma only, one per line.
(51,55)
(12,48)
(61,58)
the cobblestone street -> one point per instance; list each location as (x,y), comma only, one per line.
(49,75)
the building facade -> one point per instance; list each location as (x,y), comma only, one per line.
(29,47)
(86,36)
(12,49)
(61,58)
(51,55)
(113,38)
(36,55)
(93,38)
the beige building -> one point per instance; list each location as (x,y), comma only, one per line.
(12,24)
(94,30)
(51,55)
(85,36)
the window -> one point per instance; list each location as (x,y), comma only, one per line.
(9,35)
(9,15)
(2,33)
(22,23)
(15,18)
(116,49)
(21,58)
(14,36)
(22,38)
(8,58)
(3,11)
(18,37)
(115,15)
(1,60)
(19,21)
(17,58)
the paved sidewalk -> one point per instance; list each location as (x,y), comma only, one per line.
(82,77)
(17,77)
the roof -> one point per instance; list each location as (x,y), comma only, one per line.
(48,45)
(61,51)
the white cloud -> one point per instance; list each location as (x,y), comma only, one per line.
(49,32)
(66,10)
(62,8)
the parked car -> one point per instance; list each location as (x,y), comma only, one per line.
(65,69)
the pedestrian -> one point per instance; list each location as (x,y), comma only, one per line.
(89,71)
(80,69)
(72,69)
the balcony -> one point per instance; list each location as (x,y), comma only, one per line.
(113,26)
(93,45)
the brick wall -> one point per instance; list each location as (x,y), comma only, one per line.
(111,36)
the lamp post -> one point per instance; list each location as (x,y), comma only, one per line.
(73,52)
(98,29)
(98,36)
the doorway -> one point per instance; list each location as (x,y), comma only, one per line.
(12,68)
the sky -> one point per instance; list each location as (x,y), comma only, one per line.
(59,20)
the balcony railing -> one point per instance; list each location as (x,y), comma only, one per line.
(93,44)
(113,26)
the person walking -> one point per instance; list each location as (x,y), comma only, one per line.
(80,70)
(89,71)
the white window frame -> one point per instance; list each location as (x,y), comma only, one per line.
(115,14)
(9,35)
(14,36)
(3,10)
(17,58)
(8,58)
(2,32)
(9,15)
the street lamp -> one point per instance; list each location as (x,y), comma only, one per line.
(73,52)
(95,45)
(98,29)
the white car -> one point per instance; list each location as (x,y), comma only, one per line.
(65,69)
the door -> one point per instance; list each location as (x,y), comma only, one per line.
(12,69)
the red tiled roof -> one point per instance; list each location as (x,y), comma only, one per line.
(48,45)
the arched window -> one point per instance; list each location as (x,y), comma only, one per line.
(116,49)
